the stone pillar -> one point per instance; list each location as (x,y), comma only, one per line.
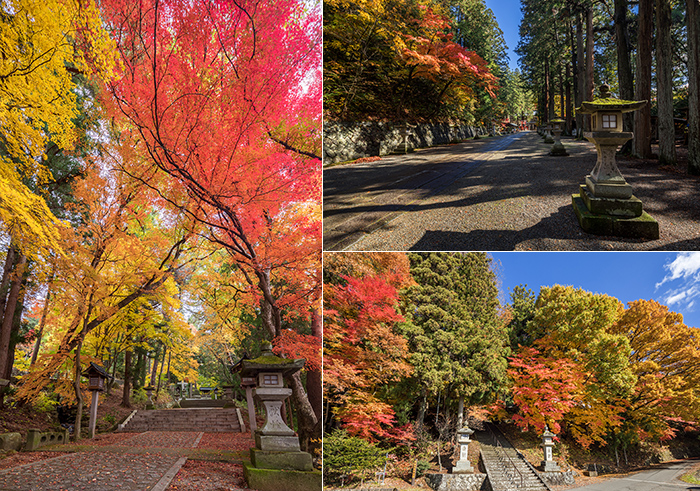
(93,413)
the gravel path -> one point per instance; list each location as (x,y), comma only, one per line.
(520,199)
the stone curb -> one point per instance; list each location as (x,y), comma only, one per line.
(164,481)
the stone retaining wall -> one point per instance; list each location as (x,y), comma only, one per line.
(559,478)
(458,482)
(350,141)
(10,441)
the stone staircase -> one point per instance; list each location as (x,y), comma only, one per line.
(190,419)
(508,470)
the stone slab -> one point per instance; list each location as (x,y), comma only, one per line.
(11,441)
(299,461)
(276,480)
(608,189)
(644,226)
(629,208)
(277,443)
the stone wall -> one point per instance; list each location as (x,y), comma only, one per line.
(38,438)
(458,482)
(559,478)
(350,141)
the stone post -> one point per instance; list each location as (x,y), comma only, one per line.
(558,149)
(149,394)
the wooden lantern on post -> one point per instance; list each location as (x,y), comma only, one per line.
(96,376)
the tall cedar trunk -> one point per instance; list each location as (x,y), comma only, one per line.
(580,71)
(314,386)
(664,82)
(42,322)
(642,92)
(460,413)
(624,67)
(590,46)
(8,317)
(562,100)
(126,395)
(552,93)
(423,407)
(7,276)
(693,20)
(154,369)
(569,108)
(547,90)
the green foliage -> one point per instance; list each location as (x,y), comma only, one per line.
(46,403)
(457,341)
(348,456)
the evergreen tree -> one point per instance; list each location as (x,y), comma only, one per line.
(457,340)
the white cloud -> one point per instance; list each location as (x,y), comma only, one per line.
(680,287)
(686,266)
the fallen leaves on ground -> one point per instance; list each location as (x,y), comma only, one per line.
(198,475)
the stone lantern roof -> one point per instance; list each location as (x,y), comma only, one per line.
(548,433)
(269,362)
(607,103)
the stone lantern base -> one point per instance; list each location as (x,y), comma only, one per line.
(277,479)
(550,466)
(463,467)
(613,216)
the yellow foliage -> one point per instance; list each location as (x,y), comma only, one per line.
(43,43)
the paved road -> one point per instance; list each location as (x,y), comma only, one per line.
(140,462)
(502,193)
(661,478)
(359,198)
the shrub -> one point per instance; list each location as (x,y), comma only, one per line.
(349,457)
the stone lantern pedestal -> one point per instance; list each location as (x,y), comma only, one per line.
(463,466)
(548,464)
(605,205)
(548,133)
(558,149)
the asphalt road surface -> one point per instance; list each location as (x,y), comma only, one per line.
(662,478)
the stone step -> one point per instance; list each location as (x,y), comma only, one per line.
(191,419)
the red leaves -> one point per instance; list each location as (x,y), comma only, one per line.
(362,352)
(293,345)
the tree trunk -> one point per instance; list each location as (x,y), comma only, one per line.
(42,322)
(314,386)
(460,413)
(580,72)
(76,388)
(642,118)
(126,395)
(309,426)
(590,81)
(693,26)
(664,83)
(569,108)
(547,89)
(160,372)
(422,408)
(624,67)
(154,369)
(9,314)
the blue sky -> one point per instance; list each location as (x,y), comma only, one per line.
(508,15)
(672,279)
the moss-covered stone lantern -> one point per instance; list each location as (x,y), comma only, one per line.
(463,466)
(548,133)
(276,445)
(605,204)
(96,376)
(558,149)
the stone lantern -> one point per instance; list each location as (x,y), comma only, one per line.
(548,133)
(605,204)
(275,438)
(558,149)
(548,463)
(96,376)
(149,394)
(277,458)
(463,466)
